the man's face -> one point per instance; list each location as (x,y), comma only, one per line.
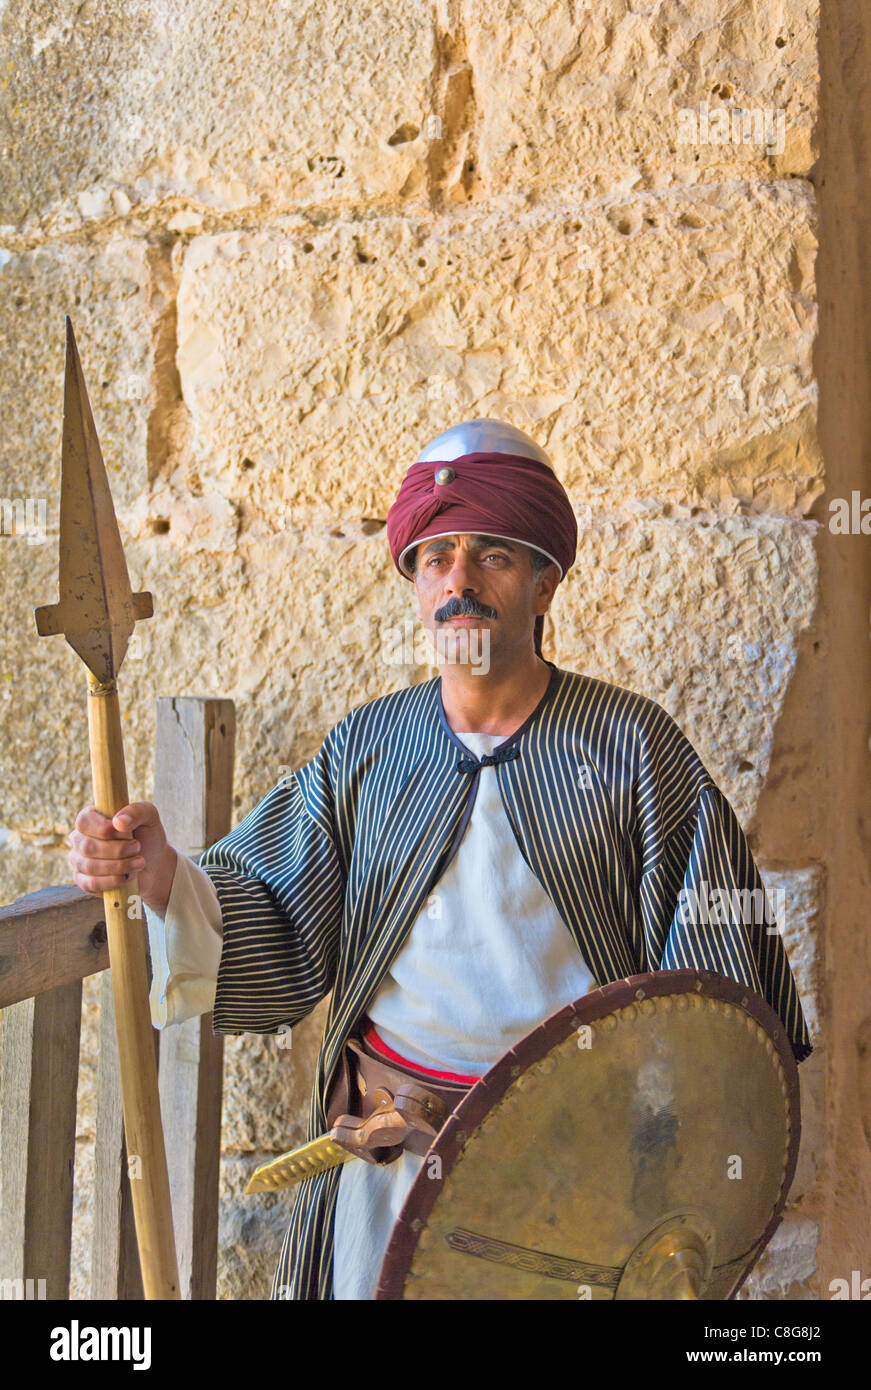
(471,581)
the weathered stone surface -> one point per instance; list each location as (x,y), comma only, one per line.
(44,753)
(330,108)
(83,1217)
(787,1263)
(703,618)
(24,868)
(587,104)
(317,364)
(267,1086)
(123,105)
(800,894)
(105,290)
(86,1103)
(797,896)
(250,1230)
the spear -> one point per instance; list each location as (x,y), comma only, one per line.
(96,613)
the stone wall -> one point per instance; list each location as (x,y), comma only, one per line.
(295,251)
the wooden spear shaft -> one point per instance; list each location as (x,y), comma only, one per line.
(143,1127)
(96,613)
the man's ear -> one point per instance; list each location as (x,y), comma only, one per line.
(547,583)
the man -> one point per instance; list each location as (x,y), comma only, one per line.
(458,861)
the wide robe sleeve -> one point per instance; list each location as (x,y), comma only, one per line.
(702,901)
(281,888)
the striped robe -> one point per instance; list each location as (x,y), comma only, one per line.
(611,807)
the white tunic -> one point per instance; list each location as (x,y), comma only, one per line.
(487,959)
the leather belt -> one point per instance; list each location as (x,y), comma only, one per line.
(397,1107)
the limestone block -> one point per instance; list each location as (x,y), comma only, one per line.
(105,290)
(587,103)
(797,896)
(787,1263)
(702,617)
(250,1230)
(271,1114)
(641,351)
(212,109)
(86,1117)
(81,1252)
(43,713)
(25,868)
(336,107)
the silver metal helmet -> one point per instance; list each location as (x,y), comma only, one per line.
(473,437)
(480,436)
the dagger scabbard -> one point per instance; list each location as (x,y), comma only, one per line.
(125,928)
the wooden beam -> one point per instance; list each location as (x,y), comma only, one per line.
(39,1066)
(49,939)
(193,790)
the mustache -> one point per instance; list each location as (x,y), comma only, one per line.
(465,607)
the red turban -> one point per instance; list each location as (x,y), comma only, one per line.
(484,494)
(487,494)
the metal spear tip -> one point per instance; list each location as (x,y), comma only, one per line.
(96,609)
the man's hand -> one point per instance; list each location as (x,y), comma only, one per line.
(105,853)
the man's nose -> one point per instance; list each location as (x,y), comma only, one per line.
(460,578)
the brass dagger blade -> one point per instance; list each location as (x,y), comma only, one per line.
(314,1157)
(96,609)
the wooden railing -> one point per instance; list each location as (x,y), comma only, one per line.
(49,941)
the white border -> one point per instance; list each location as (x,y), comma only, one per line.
(494,534)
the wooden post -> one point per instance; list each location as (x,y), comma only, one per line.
(193,790)
(39,1068)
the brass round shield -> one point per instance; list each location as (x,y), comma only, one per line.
(638,1144)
